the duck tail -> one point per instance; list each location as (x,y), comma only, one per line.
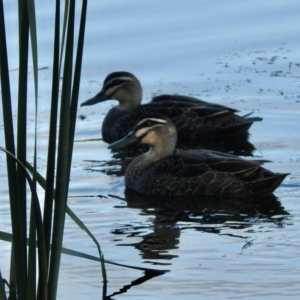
(268,184)
(241,127)
(244,122)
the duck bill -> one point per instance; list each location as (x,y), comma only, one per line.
(126,141)
(98,98)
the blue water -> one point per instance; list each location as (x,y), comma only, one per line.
(240,54)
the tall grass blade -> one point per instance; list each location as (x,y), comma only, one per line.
(21,138)
(13,277)
(64,30)
(62,177)
(49,196)
(16,217)
(40,231)
(31,289)
(2,289)
(34,48)
(22,109)
(31,278)
(76,81)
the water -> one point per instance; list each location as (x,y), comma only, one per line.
(243,55)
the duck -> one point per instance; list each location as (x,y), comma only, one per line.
(194,119)
(164,171)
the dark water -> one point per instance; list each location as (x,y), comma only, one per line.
(235,55)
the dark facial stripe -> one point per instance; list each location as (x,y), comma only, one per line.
(149,122)
(146,125)
(117,75)
(115,82)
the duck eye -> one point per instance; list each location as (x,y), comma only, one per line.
(148,123)
(117,81)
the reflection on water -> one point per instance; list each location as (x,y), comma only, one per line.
(147,276)
(170,216)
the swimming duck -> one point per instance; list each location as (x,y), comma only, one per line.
(194,119)
(165,172)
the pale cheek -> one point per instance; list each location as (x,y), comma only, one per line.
(151,138)
(111,91)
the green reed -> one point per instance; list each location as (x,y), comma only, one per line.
(22,282)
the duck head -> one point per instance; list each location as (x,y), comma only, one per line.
(155,130)
(121,86)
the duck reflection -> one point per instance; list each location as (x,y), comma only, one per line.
(169,216)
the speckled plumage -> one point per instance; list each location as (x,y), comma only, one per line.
(194,119)
(163,172)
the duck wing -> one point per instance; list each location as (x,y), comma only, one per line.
(188,99)
(208,173)
(187,117)
(196,162)
(194,119)
(181,100)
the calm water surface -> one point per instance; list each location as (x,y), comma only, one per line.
(241,55)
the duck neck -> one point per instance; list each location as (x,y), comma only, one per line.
(130,97)
(156,153)
(161,149)
(129,103)
(141,163)
(162,144)
(110,132)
